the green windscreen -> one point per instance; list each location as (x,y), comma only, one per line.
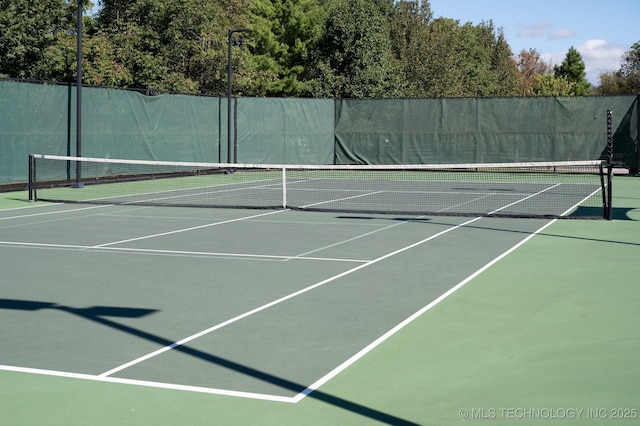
(115,124)
(172,127)
(482,130)
(290,131)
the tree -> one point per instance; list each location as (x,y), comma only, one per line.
(353,56)
(631,63)
(31,34)
(488,65)
(409,38)
(441,75)
(530,67)
(550,85)
(475,60)
(172,45)
(321,48)
(503,67)
(387,7)
(100,64)
(627,79)
(573,69)
(445,58)
(283,33)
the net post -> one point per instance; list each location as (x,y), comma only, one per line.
(284,187)
(608,207)
(32,178)
(235,130)
(603,190)
(78,184)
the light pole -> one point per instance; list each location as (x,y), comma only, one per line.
(229,89)
(78,183)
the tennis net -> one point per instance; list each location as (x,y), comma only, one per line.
(550,190)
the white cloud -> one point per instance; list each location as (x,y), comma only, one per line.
(561,33)
(544,29)
(554,58)
(536,29)
(599,56)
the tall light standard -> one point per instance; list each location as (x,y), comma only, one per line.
(229,89)
(78,183)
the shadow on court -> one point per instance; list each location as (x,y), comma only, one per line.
(617,213)
(621,213)
(98,314)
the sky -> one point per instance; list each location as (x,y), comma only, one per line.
(602,31)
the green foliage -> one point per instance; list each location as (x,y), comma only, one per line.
(627,79)
(33,40)
(409,37)
(487,68)
(503,68)
(550,85)
(631,63)
(530,67)
(169,45)
(283,32)
(443,76)
(320,48)
(101,66)
(354,57)
(573,69)
(443,58)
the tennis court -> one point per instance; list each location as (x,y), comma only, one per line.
(237,316)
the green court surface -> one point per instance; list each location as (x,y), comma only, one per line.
(134,315)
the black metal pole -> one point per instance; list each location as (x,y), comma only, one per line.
(229,86)
(230,144)
(78,183)
(609,212)
(637,142)
(235,131)
(31,174)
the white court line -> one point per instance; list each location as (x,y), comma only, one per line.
(146,383)
(55,212)
(413,317)
(302,255)
(45,245)
(193,228)
(491,194)
(179,252)
(235,255)
(277,301)
(197,194)
(104,376)
(342,199)
(526,198)
(482,197)
(580,202)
